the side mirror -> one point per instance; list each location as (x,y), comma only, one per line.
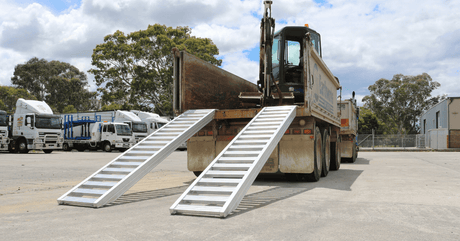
(29,122)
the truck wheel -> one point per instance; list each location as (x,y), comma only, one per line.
(12,148)
(353,158)
(80,147)
(47,151)
(335,155)
(106,147)
(326,153)
(66,147)
(22,146)
(318,158)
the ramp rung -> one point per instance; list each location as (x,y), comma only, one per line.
(142,152)
(99,184)
(232,166)
(212,189)
(118,170)
(225,173)
(238,158)
(242,153)
(134,157)
(89,191)
(109,177)
(206,199)
(237,166)
(115,178)
(79,200)
(220,180)
(198,208)
(127,163)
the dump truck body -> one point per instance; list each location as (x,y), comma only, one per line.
(349,114)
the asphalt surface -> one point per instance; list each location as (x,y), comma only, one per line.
(383,196)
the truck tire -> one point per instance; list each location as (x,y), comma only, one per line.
(106,147)
(326,153)
(353,159)
(66,147)
(318,158)
(47,151)
(80,147)
(22,146)
(335,155)
(197,173)
(12,148)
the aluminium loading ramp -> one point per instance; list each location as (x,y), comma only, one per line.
(117,177)
(222,185)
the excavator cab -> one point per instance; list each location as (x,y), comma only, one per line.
(288,62)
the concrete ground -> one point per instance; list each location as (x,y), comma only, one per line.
(383,196)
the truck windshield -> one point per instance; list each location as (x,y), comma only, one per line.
(140,127)
(123,130)
(48,122)
(2,120)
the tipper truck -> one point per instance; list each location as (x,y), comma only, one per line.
(35,127)
(4,140)
(292,72)
(349,114)
(86,133)
(286,124)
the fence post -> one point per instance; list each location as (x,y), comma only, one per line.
(372,139)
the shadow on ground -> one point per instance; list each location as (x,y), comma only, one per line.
(281,189)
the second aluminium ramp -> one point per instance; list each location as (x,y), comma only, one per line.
(115,178)
(223,184)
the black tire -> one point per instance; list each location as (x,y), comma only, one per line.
(66,147)
(47,151)
(22,146)
(335,155)
(106,147)
(80,147)
(122,149)
(12,148)
(318,159)
(197,173)
(326,153)
(353,159)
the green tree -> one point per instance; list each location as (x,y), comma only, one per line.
(400,102)
(368,121)
(135,70)
(9,95)
(57,83)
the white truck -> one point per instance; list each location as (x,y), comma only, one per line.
(85,133)
(4,140)
(349,114)
(35,127)
(138,127)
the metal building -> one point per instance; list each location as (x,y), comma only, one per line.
(441,124)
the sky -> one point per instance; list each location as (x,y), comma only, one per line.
(362,40)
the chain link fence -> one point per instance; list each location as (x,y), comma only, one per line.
(391,141)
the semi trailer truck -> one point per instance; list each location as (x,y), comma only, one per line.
(34,127)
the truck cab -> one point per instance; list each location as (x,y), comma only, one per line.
(138,126)
(113,135)
(35,127)
(3,131)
